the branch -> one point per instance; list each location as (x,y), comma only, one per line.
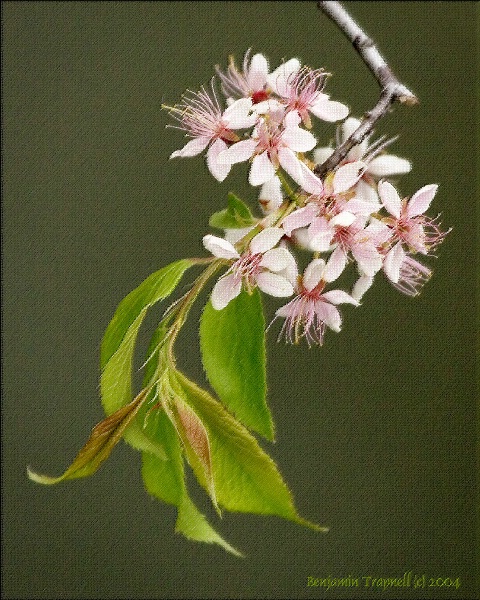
(391,88)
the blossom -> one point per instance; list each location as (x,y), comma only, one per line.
(249,83)
(259,266)
(275,141)
(201,117)
(301,91)
(312,310)
(377,164)
(408,225)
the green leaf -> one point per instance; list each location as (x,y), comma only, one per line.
(104,437)
(232,343)
(119,343)
(166,481)
(246,478)
(236,216)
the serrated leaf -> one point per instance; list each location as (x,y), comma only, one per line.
(232,343)
(246,478)
(104,437)
(166,481)
(118,346)
(236,216)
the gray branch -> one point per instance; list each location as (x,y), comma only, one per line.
(391,88)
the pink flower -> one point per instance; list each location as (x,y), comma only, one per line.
(274,142)
(260,265)
(301,91)
(249,83)
(203,120)
(312,311)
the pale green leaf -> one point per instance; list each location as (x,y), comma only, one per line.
(246,478)
(105,435)
(236,216)
(232,343)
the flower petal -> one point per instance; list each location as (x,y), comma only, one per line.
(266,239)
(390,198)
(274,285)
(291,164)
(261,170)
(329,110)
(320,155)
(393,262)
(363,283)
(299,218)
(192,148)
(420,201)
(329,315)
(271,196)
(218,169)
(298,139)
(237,115)
(227,288)
(340,297)
(219,247)
(279,79)
(387,164)
(276,259)
(311,183)
(335,265)
(238,152)
(257,72)
(313,274)
(347,176)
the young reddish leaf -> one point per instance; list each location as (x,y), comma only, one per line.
(105,435)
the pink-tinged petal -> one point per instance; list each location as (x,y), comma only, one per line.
(321,232)
(267,106)
(362,284)
(298,140)
(192,148)
(329,110)
(393,262)
(343,219)
(261,170)
(274,285)
(290,271)
(285,310)
(350,125)
(415,237)
(279,79)
(291,164)
(390,198)
(347,176)
(359,206)
(329,315)
(218,169)
(238,152)
(257,72)
(237,115)
(340,297)
(219,247)
(227,288)
(335,265)
(271,196)
(420,201)
(266,239)
(299,218)
(377,232)
(367,192)
(368,259)
(387,164)
(276,259)
(313,274)
(292,119)
(320,155)
(235,235)
(311,183)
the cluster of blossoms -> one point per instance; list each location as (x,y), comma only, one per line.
(352,215)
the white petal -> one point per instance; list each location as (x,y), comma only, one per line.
(219,247)
(291,164)
(238,152)
(320,155)
(227,288)
(290,271)
(311,183)
(257,72)
(343,219)
(390,198)
(358,206)
(298,140)
(387,164)
(271,196)
(329,315)
(350,125)
(420,201)
(393,262)
(347,176)
(261,170)
(362,284)
(335,265)
(366,192)
(276,259)
(329,110)
(313,274)
(192,148)
(299,218)
(292,119)
(274,285)
(237,115)
(266,239)
(218,169)
(278,79)
(340,297)
(235,235)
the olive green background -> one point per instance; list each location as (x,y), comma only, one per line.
(376,431)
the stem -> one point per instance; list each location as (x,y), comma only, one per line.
(391,88)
